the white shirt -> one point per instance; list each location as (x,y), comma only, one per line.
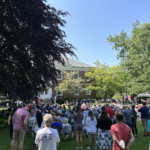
(47,138)
(91,124)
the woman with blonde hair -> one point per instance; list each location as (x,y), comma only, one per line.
(91,123)
(78,126)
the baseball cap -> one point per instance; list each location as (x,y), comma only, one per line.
(30,107)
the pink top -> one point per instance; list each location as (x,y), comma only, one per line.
(20,115)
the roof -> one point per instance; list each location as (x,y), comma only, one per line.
(75,63)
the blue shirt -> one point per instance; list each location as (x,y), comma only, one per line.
(56,124)
(144,112)
(86,112)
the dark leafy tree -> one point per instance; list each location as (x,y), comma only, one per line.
(31,40)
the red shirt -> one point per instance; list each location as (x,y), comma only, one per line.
(122,132)
(110,112)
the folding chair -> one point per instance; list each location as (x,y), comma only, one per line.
(65,130)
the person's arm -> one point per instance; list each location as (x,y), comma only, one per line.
(9,120)
(57,144)
(25,124)
(131,140)
(115,139)
(13,119)
(140,109)
(26,121)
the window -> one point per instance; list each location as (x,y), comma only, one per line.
(58,92)
(76,76)
(88,92)
(59,76)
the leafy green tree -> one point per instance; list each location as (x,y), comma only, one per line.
(31,40)
(105,80)
(71,86)
(117,96)
(134,52)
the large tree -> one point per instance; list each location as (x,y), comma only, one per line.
(71,86)
(31,40)
(105,80)
(134,52)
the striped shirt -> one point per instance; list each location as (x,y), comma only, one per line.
(20,115)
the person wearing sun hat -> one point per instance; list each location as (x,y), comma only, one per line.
(19,120)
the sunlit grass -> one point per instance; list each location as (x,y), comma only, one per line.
(141,143)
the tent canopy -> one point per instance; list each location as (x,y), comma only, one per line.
(145,94)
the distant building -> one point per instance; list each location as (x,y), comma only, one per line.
(80,69)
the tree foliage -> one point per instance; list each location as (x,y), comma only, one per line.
(106,80)
(136,48)
(31,40)
(71,86)
(117,96)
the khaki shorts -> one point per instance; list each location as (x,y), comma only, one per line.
(19,134)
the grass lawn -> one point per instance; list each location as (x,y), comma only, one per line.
(140,143)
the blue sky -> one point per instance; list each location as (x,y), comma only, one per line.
(92,21)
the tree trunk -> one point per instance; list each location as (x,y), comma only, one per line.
(105,95)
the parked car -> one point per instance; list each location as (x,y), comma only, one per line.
(114,101)
(102,100)
(109,100)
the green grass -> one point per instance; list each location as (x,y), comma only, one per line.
(140,143)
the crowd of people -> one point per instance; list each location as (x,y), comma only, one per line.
(109,125)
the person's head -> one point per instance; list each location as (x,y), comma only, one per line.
(28,107)
(104,115)
(39,118)
(107,105)
(118,110)
(66,121)
(125,107)
(119,117)
(90,114)
(71,112)
(103,108)
(79,111)
(14,110)
(56,119)
(144,103)
(133,107)
(48,120)
(42,110)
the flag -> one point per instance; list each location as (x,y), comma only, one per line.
(129,97)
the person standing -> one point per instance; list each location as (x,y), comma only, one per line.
(39,100)
(91,123)
(109,111)
(128,116)
(144,117)
(20,119)
(37,125)
(134,120)
(95,113)
(10,123)
(121,131)
(78,127)
(47,138)
(104,139)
